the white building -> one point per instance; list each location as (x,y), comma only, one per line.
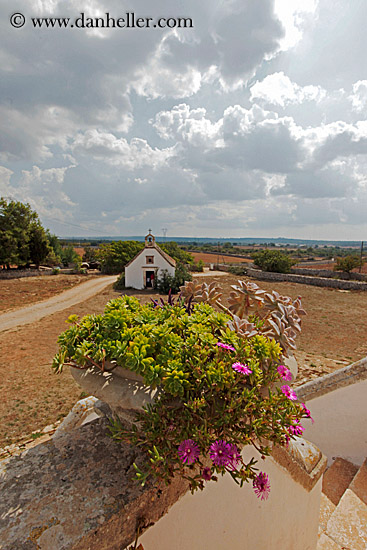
(142,270)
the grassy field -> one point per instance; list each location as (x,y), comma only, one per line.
(334,335)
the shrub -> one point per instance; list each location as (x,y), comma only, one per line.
(273,260)
(237,269)
(119,284)
(347,264)
(166,282)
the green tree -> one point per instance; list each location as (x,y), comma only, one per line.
(69,256)
(22,237)
(114,256)
(347,264)
(273,260)
(39,248)
(177,253)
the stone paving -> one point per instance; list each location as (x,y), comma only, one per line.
(343,509)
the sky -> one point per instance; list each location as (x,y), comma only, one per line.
(250,123)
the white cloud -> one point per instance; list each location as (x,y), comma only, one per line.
(278,89)
(119,152)
(359,96)
(294,16)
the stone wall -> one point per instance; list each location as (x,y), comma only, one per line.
(76,492)
(328,274)
(18,274)
(303,279)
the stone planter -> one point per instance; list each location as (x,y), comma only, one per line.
(123,390)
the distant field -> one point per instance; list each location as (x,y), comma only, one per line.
(214,258)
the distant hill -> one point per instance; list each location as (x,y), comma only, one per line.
(235,240)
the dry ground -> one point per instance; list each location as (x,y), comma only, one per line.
(334,334)
(21,292)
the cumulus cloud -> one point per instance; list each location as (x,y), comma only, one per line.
(278,89)
(118,151)
(359,96)
(251,121)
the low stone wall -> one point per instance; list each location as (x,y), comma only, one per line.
(4,274)
(303,279)
(76,492)
(328,274)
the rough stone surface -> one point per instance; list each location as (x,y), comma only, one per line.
(76,492)
(347,526)
(326,543)
(337,478)
(77,416)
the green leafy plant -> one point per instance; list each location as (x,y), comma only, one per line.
(119,284)
(166,282)
(348,263)
(273,260)
(219,368)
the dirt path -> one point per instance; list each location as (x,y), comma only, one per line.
(37,311)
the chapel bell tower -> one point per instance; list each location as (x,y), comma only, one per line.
(149,240)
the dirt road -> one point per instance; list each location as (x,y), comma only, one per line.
(37,311)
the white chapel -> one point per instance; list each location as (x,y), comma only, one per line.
(142,270)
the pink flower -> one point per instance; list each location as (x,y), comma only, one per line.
(308,412)
(206,474)
(284,372)
(297,430)
(188,451)
(220,453)
(234,456)
(261,485)
(239,367)
(288,392)
(225,346)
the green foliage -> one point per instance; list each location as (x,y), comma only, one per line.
(197,266)
(167,282)
(273,260)
(69,256)
(237,269)
(119,284)
(90,254)
(114,256)
(177,253)
(23,240)
(202,397)
(39,248)
(347,264)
